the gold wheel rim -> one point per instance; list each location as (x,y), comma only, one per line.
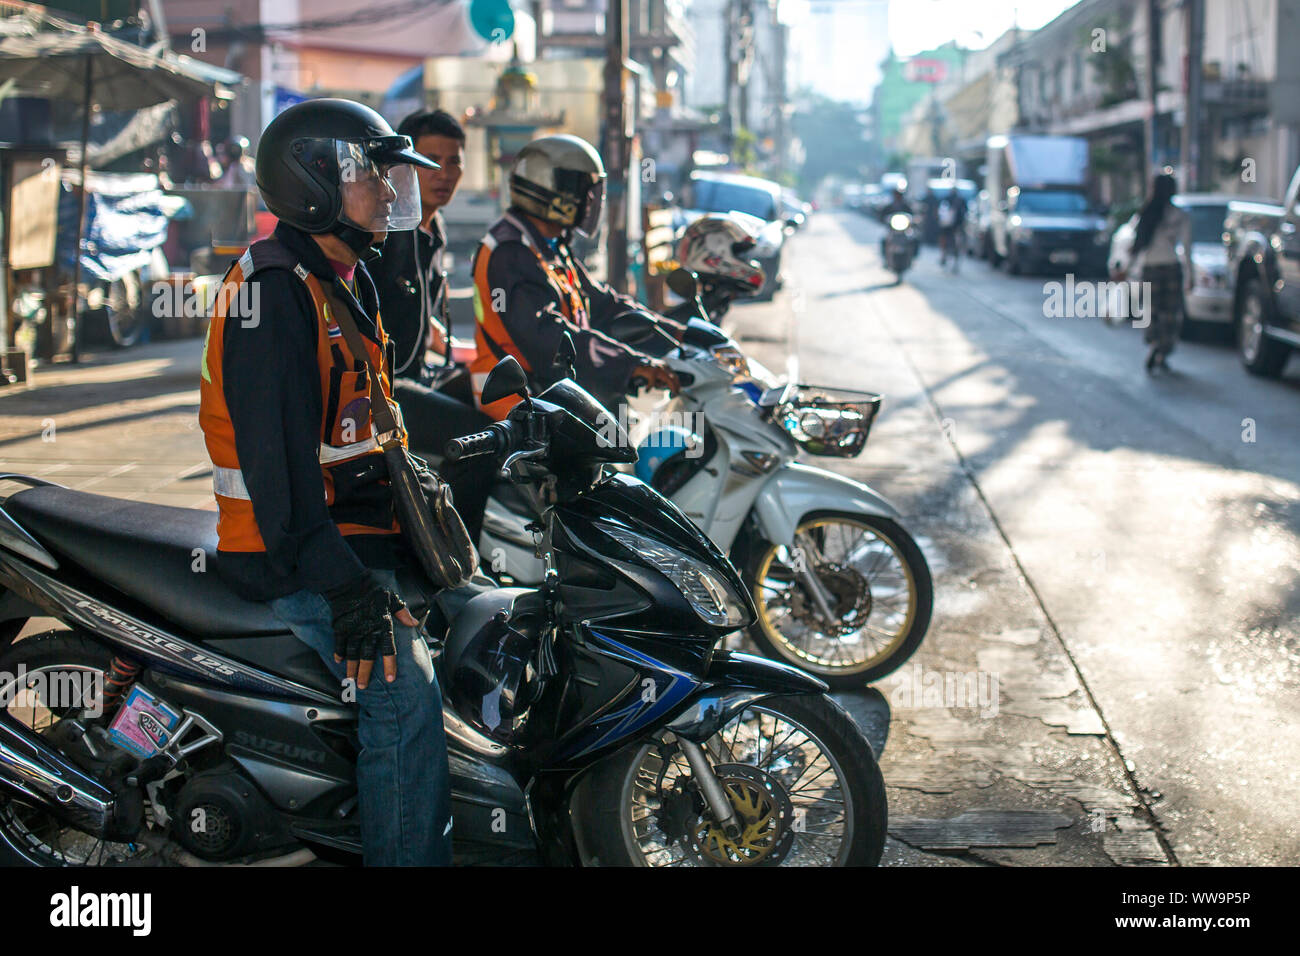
(835,664)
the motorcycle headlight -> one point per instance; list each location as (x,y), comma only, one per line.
(731,359)
(900,221)
(710,596)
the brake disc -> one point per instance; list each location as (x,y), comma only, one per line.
(850,594)
(764,812)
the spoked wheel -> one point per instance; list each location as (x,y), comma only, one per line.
(798,773)
(49,694)
(875,583)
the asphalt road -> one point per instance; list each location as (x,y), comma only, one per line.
(1118,550)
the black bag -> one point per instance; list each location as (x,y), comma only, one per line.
(423,501)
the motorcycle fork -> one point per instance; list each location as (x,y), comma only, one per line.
(714,795)
(811,582)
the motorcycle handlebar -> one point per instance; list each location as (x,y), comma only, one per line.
(493,440)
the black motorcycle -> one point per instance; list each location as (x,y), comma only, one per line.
(594,720)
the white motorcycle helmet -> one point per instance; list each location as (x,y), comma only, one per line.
(717,249)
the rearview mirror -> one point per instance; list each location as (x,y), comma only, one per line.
(631,328)
(566,356)
(506,378)
(683,283)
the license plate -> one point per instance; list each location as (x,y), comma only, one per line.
(1063,255)
(143,724)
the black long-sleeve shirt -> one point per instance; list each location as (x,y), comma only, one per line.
(533,317)
(272,387)
(409,280)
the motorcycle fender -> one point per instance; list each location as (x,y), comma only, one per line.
(732,683)
(795,490)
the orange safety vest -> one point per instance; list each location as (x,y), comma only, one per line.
(347,428)
(490,334)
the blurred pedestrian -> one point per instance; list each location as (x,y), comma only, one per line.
(952,220)
(1161,229)
(237,165)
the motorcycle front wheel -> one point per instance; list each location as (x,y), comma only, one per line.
(798,772)
(877,585)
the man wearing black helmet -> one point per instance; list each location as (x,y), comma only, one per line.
(306,516)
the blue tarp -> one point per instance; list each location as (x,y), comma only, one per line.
(126,219)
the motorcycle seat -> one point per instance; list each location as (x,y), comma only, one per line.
(146,551)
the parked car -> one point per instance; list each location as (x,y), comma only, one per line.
(1210,297)
(1263,251)
(875,197)
(795,210)
(731,192)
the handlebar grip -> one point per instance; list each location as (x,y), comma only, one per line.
(487,442)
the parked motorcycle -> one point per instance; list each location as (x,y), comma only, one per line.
(841,588)
(593,719)
(900,244)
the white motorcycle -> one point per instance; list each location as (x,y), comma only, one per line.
(842,590)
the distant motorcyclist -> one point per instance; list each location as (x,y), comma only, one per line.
(897,203)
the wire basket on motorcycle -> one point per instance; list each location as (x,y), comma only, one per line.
(827,421)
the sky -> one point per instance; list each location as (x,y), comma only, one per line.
(916,25)
(840,43)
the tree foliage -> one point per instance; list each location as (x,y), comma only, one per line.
(832,135)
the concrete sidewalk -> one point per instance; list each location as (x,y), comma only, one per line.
(119,423)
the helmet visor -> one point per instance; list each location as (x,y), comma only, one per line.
(378,195)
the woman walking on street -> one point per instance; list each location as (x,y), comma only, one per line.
(1161,228)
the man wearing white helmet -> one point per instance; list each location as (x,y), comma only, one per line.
(529,288)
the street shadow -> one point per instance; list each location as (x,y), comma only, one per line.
(103,381)
(870,711)
(873,287)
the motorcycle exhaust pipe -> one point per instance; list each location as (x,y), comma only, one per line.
(38,772)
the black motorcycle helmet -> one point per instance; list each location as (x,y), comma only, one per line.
(335,166)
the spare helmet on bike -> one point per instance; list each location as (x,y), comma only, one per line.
(332,166)
(717,249)
(560,179)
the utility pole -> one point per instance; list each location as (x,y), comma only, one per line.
(782,128)
(616,146)
(1191,145)
(729,82)
(1153,65)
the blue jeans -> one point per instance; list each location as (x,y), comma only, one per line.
(403,783)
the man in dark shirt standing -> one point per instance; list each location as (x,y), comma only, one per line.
(412,290)
(306,515)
